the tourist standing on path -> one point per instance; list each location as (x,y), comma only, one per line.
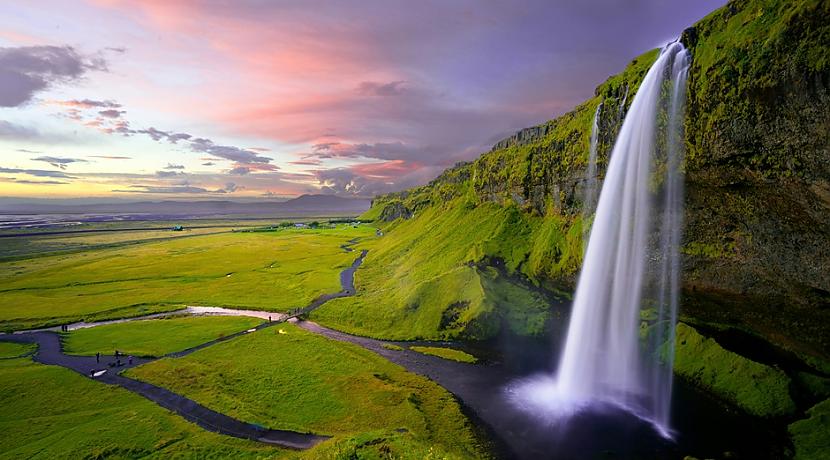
(98,357)
(130,359)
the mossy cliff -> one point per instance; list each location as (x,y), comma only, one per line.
(757,241)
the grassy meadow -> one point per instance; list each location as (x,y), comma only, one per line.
(267,270)
(155,337)
(50,412)
(26,246)
(305,382)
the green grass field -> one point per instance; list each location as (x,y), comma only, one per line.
(29,246)
(446,353)
(156,337)
(272,271)
(421,279)
(50,412)
(304,382)
(13,350)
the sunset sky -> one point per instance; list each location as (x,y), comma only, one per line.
(198,99)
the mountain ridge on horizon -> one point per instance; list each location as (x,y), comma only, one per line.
(303,204)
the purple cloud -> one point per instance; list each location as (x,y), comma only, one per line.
(59,162)
(371,88)
(111,113)
(27,70)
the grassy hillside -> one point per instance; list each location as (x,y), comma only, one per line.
(756,248)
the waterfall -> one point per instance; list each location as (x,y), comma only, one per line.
(630,274)
(590,192)
(621,108)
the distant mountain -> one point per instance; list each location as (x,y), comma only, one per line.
(305,205)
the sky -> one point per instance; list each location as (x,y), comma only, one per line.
(273,99)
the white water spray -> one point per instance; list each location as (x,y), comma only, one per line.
(604,359)
(590,193)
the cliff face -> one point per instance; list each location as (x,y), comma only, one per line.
(757,131)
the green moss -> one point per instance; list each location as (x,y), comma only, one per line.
(711,250)
(446,353)
(816,387)
(758,389)
(810,436)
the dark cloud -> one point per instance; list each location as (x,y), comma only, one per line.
(39,182)
(11,131)
(380,150)
(154,133)
(168,173)
(36,172)
(88,104)
(59,162)
(306,162)
(32,182)
(240,171)
(111,113)
(371,88)
(209,163)
(227,152)
(175,137)
(172,189)
(230,187)
(172,166)
(110,157)
(27,70)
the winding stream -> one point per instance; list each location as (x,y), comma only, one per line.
(704,427)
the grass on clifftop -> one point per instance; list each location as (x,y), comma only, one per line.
(304,382)
(759,389)
(446,353)
(423,279)
(155,337)
(272,271)
(50,412)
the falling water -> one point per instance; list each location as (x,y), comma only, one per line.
(590,192)
(621,108)
(604,359)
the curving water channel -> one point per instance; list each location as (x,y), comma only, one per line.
(612,433)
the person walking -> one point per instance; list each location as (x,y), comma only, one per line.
(98,357)
(130,359)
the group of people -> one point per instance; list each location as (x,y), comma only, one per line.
(117,363)
(64,328)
